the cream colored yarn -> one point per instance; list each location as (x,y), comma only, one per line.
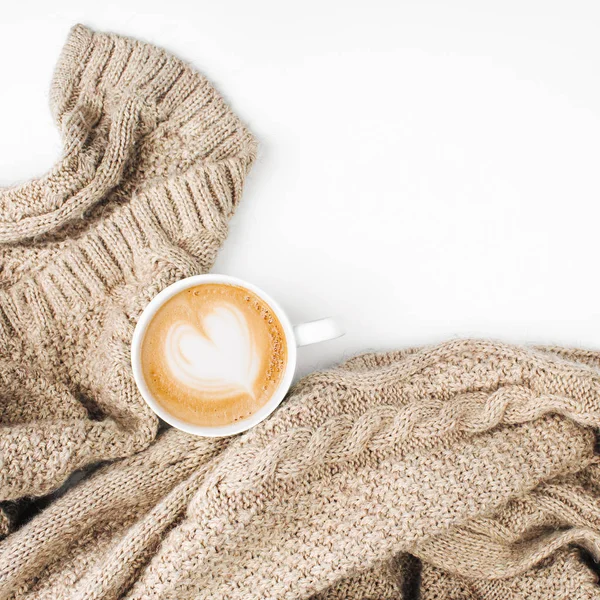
(465,471)
(462,471)
(153,167)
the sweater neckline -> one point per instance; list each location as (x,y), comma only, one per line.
(98,127)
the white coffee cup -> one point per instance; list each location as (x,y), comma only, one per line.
(298,335)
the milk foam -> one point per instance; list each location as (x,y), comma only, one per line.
(222,359)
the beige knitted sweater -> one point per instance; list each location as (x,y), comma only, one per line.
(152,169)
(464,471)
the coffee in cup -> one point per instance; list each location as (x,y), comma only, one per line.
(214,355)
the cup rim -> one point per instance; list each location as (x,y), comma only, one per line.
(222,430)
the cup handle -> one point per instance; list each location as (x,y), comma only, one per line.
(317,331)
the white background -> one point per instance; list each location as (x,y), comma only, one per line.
(427,169)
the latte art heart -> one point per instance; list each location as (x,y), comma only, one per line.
(223,358)
(214,354)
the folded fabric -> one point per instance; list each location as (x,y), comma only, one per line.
(152,170)
(466,470)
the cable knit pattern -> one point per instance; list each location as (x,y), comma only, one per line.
(465,470)
(152,169)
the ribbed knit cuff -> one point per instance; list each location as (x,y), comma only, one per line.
(105,68)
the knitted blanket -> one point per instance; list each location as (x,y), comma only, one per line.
(462,471)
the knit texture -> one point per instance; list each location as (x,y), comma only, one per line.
(461,471)
(152,169)
(464,471)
